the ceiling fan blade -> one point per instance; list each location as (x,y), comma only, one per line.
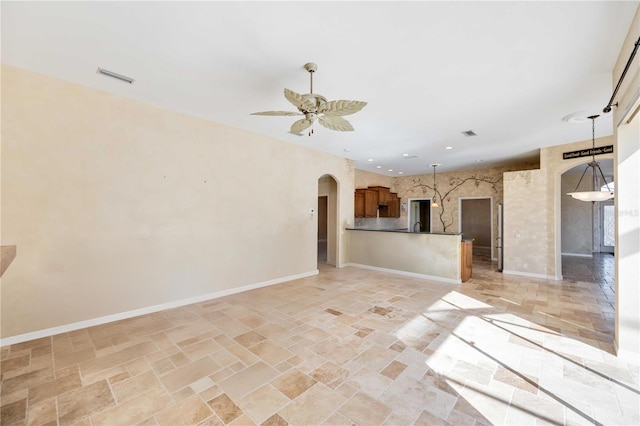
(301,125)
(335,122)
(299,101)
(276,113)
(342,107)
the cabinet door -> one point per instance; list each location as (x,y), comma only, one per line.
(394,205)
(394,208)
(359,206)
(384,196)
(370,203)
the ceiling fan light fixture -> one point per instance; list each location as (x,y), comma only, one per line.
(314,106)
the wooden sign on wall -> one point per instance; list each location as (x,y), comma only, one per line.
(588,152)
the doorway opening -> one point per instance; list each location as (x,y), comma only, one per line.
(476,220)
(323,202)
(327,215)
(585,226)
(586,229)
(419,218)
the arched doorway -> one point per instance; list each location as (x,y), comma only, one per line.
(327,220)
(587,230)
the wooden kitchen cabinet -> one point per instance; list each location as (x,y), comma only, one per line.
(384,194)
(366,203)
(376,201)
(466,260)
(359,203)
(394,206)
(370,203)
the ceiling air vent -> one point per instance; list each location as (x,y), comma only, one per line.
(115,75)
(469,133)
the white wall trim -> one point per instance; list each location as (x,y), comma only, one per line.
(577,255)
(47,332)
(409,200)
(406,273)
(532,275)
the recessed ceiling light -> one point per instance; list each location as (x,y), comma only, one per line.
(405,155)
(378,167)
(370,159)
(479,161)
(400,173)
(347,150)
(448,147)
(469,133)
(390,170)
(115,75)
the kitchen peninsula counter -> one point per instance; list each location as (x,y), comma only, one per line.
(402,230)
(429,255)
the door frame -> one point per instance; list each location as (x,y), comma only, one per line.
(332,192)
(409,214)
(491,220)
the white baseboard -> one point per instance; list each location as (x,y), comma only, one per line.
(12,340)
(578,255)
(405,273)
(529,274)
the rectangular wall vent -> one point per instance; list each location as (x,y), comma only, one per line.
(115,75)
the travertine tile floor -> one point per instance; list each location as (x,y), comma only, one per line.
(348,346)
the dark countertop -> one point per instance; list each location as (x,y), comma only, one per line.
(402,230)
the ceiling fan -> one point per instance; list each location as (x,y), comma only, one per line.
(312,106)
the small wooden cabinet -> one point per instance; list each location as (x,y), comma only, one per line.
(466,259)
(376,201)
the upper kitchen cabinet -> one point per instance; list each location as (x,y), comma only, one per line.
(376,201)
(366,203)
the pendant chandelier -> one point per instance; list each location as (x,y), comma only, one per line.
(596,194)
(435,202)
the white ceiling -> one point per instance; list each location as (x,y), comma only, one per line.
(510,71)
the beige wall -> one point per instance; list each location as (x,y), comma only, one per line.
(626,119)
(116,205)
(364,179)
